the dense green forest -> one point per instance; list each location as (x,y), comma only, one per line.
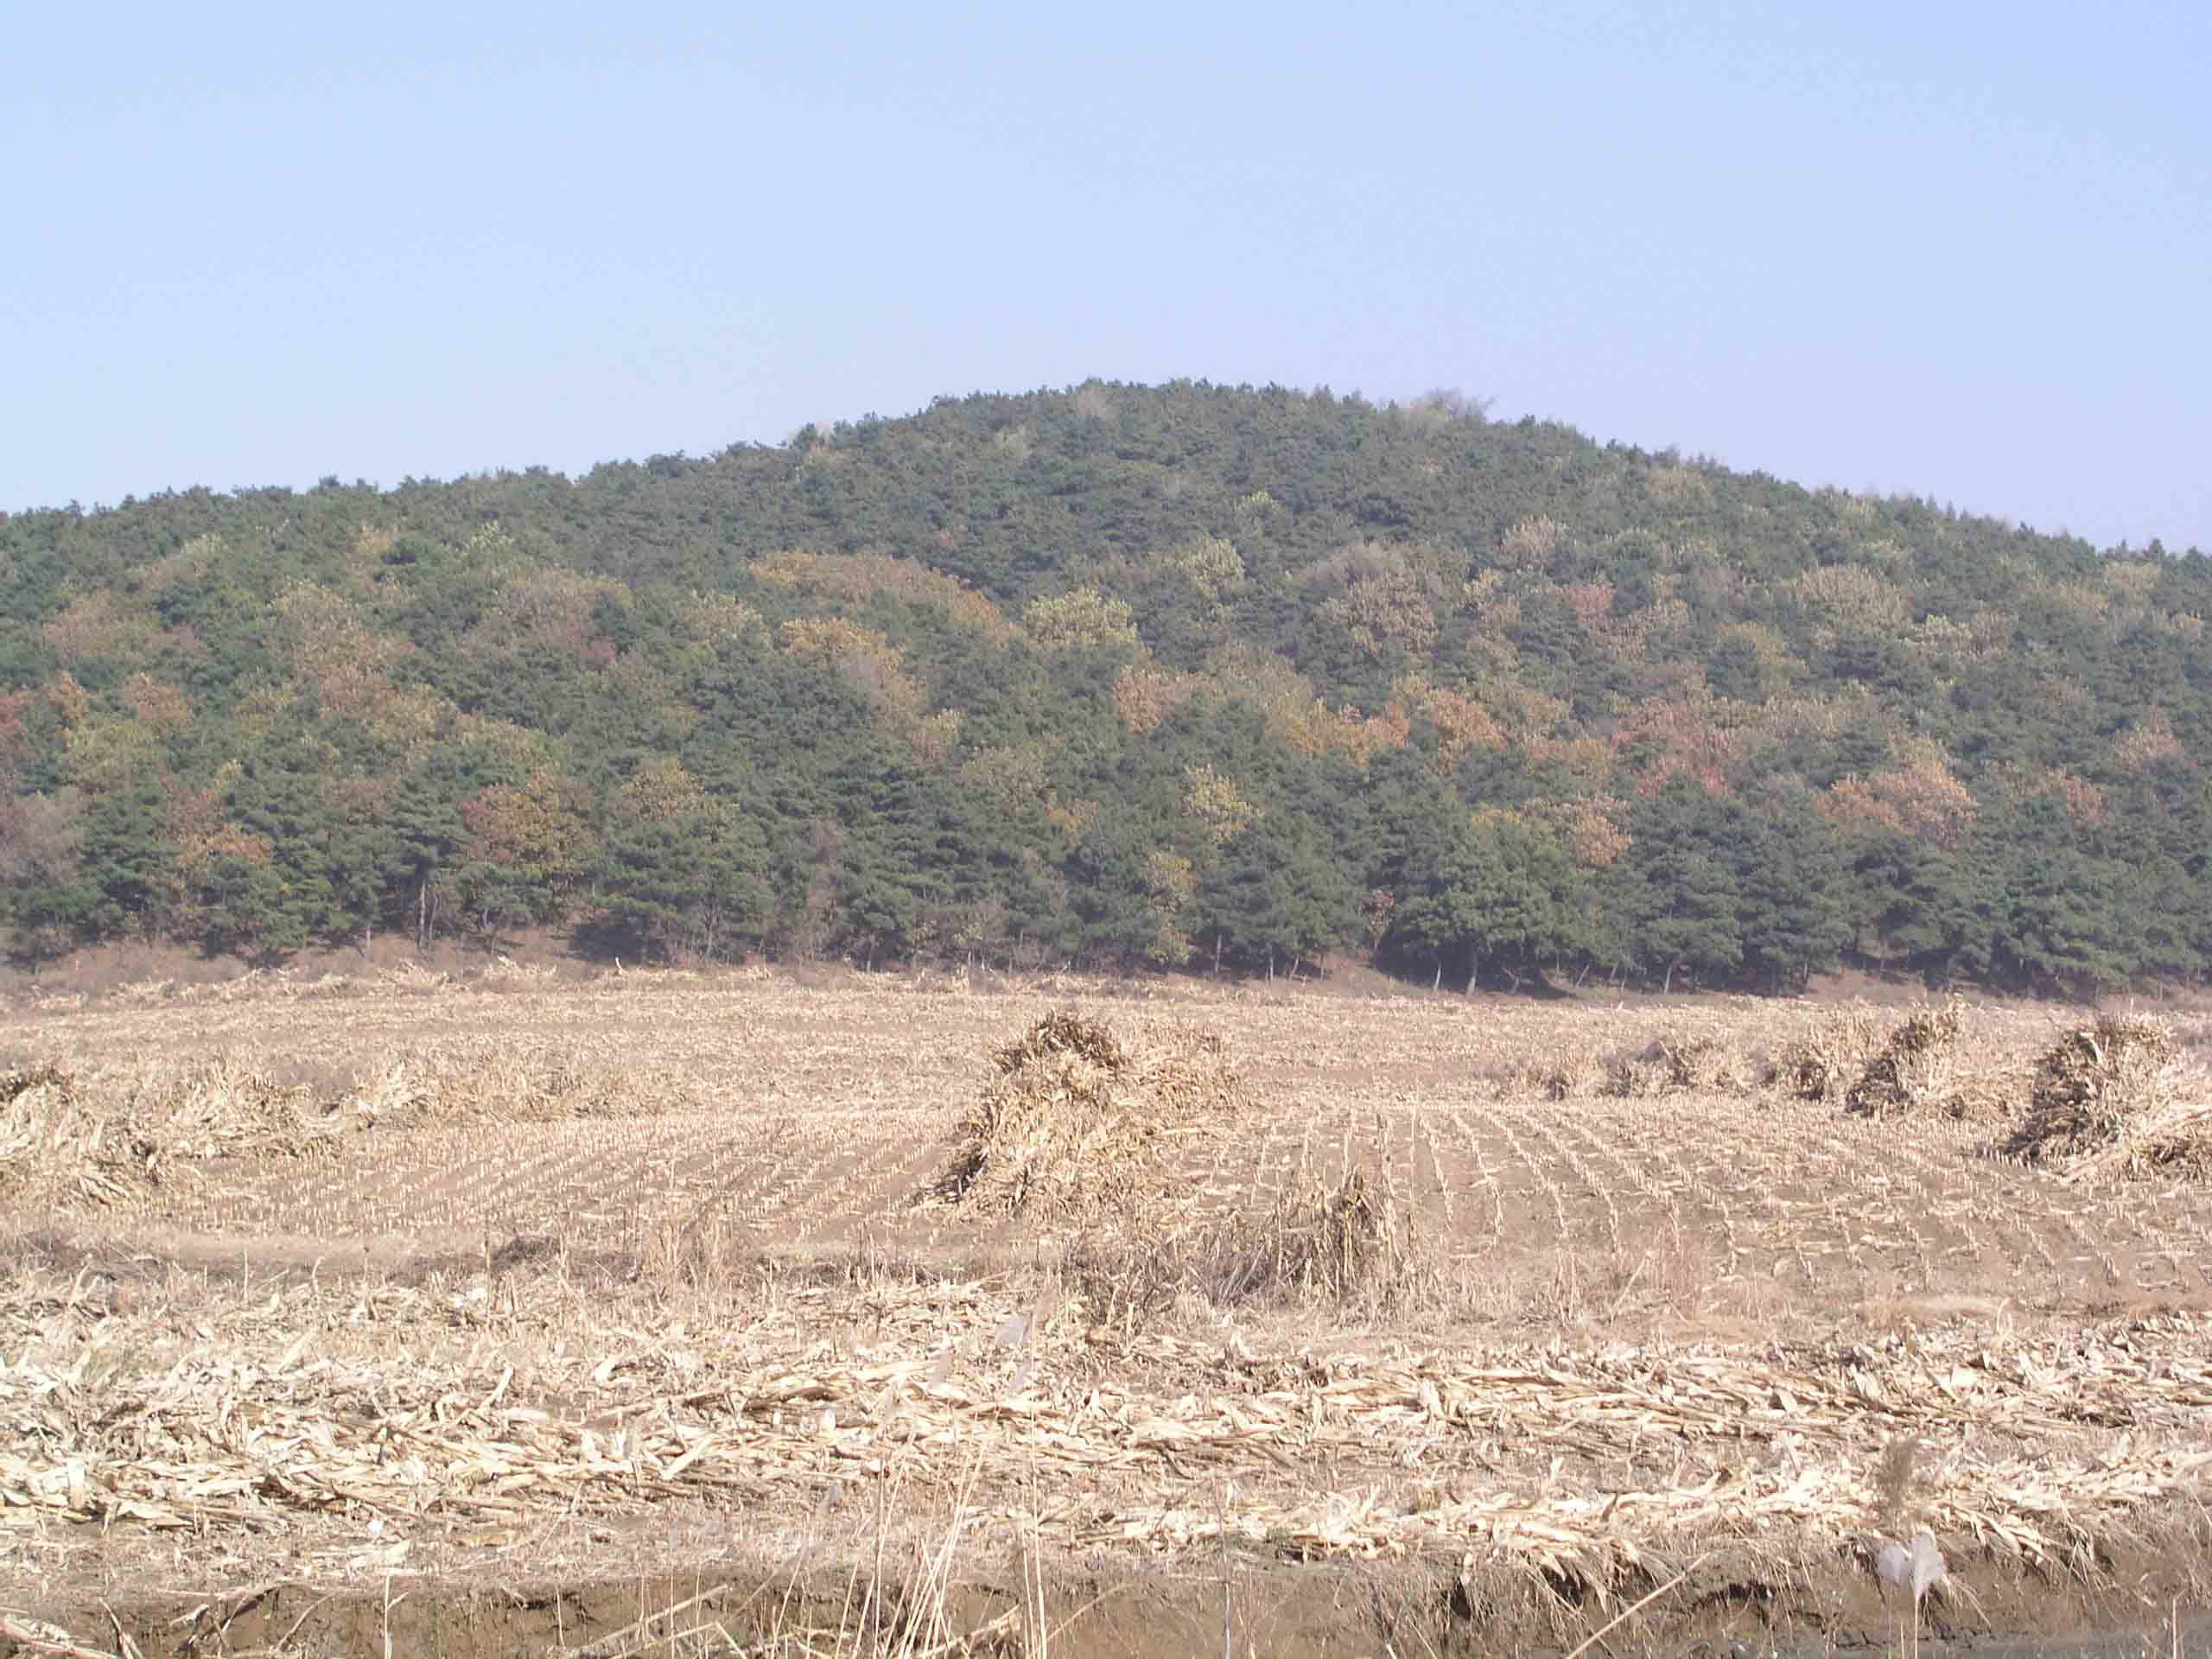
(1183,675)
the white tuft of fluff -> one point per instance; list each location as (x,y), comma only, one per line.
(1928,1569)
(1918,1567)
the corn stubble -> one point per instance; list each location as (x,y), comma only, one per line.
(1312,1277)
(491,1081)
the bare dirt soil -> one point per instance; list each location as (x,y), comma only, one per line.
(721,1359)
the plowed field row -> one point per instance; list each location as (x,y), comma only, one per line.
(821,1120)
(1746,1205)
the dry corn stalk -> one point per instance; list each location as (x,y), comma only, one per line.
(244,1430)
(510,1083)
(105,1136)
(2115,1098)
(1913,1071)
(1677,1063)
(1072,1121)
(1579,1075)
(1824,1065)
(1329,1242)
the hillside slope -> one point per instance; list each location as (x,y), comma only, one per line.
(1183,674)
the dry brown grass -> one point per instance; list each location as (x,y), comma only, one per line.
(415,978)
(505,971)
(2117,1097)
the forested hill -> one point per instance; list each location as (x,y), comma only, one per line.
(1127,675)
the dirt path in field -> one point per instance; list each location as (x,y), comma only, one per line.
(1314,1613)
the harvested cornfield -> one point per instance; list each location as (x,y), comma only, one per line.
(1074,1122)
(1914,1069)
(618,1278)
(2116,1097)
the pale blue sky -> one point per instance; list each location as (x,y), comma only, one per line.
(1958,250)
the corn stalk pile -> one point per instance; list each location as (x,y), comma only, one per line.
(1075,1121)
(105,1136)
(2117,1097)
(1913,1069)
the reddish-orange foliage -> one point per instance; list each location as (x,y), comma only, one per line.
(1592,604)
(198,836)
(364,800)
(1370,736)
(933,737)
(182,642)
(853,576)
(661,791)
(1593,838)
(1462,724)
(161,707)
(69,701)
(1383,607)
(1145,697)
(551,610)
(1692,733)
(99,624)
(539,826)
(1920,799)
(15,736)
(1377,913)
(2083,800)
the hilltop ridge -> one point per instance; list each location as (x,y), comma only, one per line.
(1169,676)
